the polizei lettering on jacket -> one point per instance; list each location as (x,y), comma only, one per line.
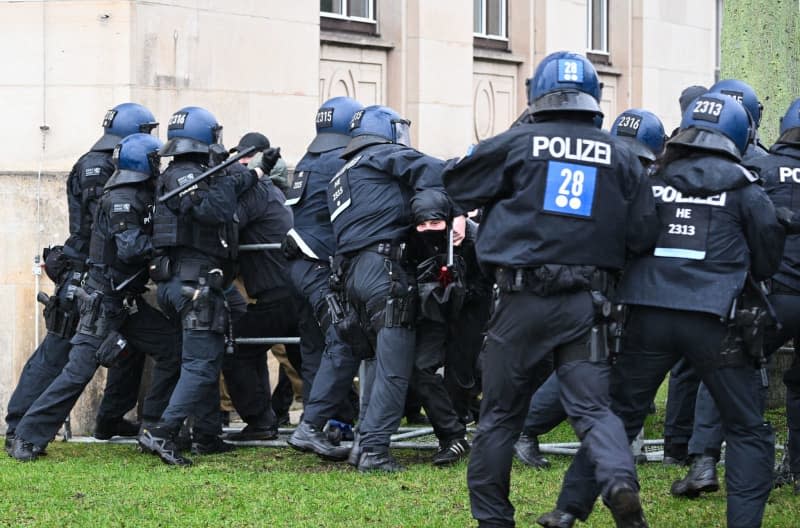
(576,149)
(668,194)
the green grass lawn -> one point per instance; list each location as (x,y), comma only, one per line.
(80,485)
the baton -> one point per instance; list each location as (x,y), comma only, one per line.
(129,279)
(213,170)
(450,256)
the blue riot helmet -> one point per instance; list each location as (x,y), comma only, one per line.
(333,124)
(375,125)
(122,121)
(136,159)
(642,130)
(742,92)
(191,129)
(790,125)
(717,123)
(564,82)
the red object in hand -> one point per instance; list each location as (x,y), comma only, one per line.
(445,277)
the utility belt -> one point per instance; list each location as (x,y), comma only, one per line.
(162,268)
(60,313)
(396,251)
(208,309)
(359,327)
(553,279)
(348,322)
(749,316)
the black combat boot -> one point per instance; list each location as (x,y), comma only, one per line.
(9,444)
(106,429)
(378,461)
(527,451)
(675,454)
(626,508)
(557,519)
(23,451)
(252,432)
(308,438)
(164,447)
(451,452)
(702,478)
(355,451)
(210,445)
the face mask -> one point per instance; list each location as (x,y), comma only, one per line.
(433,242)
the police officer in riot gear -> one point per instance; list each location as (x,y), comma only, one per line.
(368,200)
(115,321)
(65,266)
(746,95)
(643,133)
(780,172)
(691,296)
(309,247)
(196,235)
(565,203)
(705,444)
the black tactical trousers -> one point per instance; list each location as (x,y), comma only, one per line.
(464,343)
(707,435)
(122,387)
(545,411)
(41,369)
(311,280)
(787,308)
(331,392)
(655,339)
(429,356)
(523,331)
(369,284)
(197,390)
(145,330)
(246,374)
(679,419)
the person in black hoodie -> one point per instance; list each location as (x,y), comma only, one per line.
(690,296)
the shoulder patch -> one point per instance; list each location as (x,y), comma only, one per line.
(121,208)
(751,176)
(92,171)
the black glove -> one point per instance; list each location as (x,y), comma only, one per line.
(788,219)
(269,158)
(216,154)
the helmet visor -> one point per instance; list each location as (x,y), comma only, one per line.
(217,130)
(402,132)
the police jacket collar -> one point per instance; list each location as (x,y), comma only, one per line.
(782,149)
(359,142)
(705,175)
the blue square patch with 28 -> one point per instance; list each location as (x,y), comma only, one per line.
(570,189)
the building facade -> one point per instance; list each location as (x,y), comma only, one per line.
(455,68)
